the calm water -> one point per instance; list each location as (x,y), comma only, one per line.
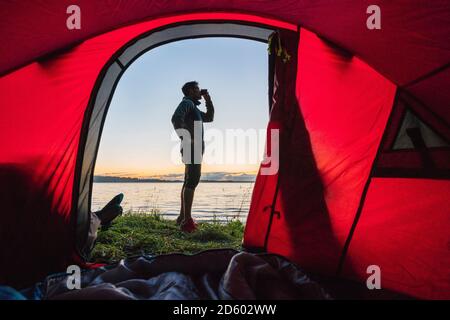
(220,201)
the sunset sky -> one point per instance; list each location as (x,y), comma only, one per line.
(136,140)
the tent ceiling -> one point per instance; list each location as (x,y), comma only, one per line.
(413,40)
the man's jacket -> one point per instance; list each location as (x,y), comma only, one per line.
(187,113)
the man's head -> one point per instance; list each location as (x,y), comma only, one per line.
(191,89)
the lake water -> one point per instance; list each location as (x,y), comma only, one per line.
(221,200)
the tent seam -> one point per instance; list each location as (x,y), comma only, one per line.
(427,75)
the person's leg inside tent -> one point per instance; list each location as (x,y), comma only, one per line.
(104,218)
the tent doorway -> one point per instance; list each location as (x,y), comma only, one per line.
(107,84)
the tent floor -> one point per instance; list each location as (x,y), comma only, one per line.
(232,275)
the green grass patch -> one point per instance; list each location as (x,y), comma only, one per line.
(136,234)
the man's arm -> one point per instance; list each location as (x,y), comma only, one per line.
(209,115)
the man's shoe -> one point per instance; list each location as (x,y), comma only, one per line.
(111,211)
(188,226)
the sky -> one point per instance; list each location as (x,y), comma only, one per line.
(138,137)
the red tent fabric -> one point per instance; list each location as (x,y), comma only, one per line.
(344,137)
(364,132)
(412,251)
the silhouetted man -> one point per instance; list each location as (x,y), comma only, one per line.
(188,122)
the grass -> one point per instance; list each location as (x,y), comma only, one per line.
(149,233)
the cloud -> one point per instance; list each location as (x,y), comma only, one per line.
(227,176)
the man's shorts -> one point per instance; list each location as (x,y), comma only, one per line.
(195,156)
(192,173)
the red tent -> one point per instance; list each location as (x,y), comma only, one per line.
(363,117)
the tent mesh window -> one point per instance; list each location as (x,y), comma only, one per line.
(415,145)
(412,128)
